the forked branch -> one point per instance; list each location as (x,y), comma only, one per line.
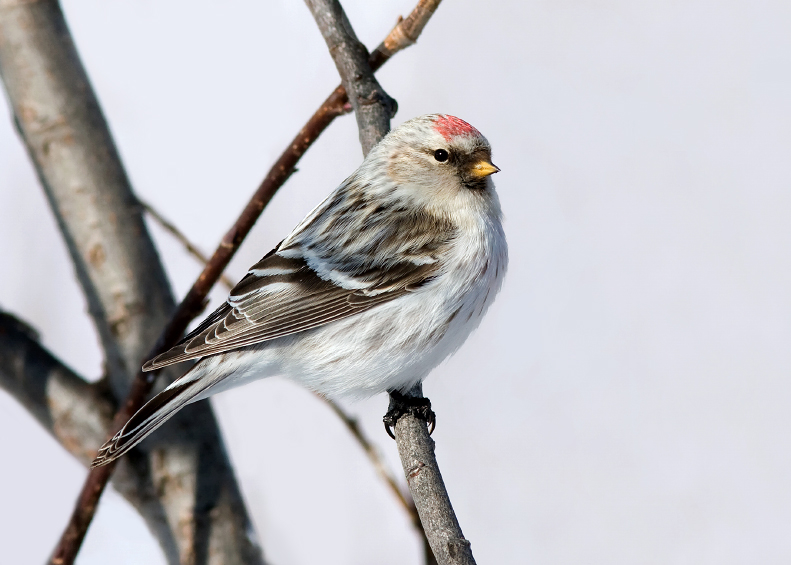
(372,106)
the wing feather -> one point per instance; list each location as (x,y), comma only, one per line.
(320,274)
(265,306)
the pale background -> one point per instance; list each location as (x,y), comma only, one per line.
(627,398)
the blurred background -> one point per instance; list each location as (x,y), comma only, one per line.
(626,400)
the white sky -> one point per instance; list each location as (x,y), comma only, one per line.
(627,398)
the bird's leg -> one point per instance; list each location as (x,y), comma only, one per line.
(401,404)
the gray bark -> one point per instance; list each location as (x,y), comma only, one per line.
(77,414)
(62,126)
(60,121)
(372,106)
(416,449)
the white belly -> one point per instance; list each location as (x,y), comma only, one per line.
(392,346)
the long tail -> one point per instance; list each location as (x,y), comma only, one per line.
(153,414)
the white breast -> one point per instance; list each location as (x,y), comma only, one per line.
(396,344)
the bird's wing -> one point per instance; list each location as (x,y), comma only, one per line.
(282,294)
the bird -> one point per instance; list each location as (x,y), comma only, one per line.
(381,282)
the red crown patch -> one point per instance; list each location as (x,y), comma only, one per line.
(451,126)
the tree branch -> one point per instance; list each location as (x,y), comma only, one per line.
(415,446)
(416,449)
(335,105)
(71,409)
(405,499)
(405,33)
(59,120)
(372,106)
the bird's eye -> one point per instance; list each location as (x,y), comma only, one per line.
(441,155)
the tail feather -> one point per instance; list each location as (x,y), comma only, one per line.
(152,415)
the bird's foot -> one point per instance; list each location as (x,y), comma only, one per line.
(401,404)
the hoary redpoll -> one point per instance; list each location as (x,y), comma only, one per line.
(378,284)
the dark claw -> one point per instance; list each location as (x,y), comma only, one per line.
(401,404)
(389,427)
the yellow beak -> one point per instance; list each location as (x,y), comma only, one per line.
(483,168)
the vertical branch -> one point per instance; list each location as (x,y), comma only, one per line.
(372,106)
(416,449)
(404,499)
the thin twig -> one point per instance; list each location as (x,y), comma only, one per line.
(405,33)
(191,248)
(193,303)
(415,446)
(373,454)
(376,460)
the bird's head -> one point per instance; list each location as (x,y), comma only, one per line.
(437,161)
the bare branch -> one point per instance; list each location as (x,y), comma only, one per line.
(71,409)
(191,248)
(373,107)
(405,499)
(75,412)
(405,33)
(61,123)
(416,449)
(373,456)
(62,126)
(335,105)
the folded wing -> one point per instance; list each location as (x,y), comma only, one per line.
(283,295)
